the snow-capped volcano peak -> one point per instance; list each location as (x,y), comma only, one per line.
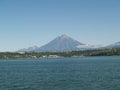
(61,43)
(64,36)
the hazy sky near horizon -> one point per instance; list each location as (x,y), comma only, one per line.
(25,23)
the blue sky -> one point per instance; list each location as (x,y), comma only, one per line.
(25,23)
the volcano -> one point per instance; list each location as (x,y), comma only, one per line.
(61,43)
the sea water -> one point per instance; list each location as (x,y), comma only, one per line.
(86,73)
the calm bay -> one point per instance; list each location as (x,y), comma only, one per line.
(85,73)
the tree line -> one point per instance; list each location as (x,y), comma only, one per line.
(98,52)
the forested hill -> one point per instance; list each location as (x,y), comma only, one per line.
(103,52)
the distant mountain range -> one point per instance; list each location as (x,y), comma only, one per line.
(30,49)
(114,45)
(66,43)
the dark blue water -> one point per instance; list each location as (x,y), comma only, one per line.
(88,73)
